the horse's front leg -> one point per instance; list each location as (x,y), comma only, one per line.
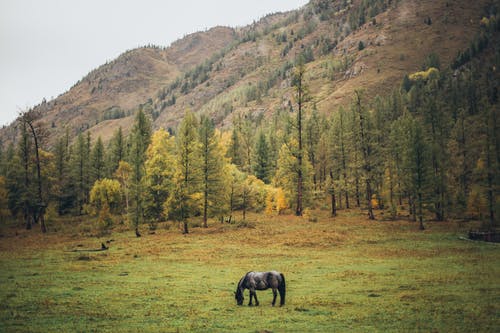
(256,300)
(275,293)
(251,295)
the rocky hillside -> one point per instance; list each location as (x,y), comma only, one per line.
(358,44)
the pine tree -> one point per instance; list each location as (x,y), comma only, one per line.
(435,119)
(234,151)
(301,98)
(140,138)
(80,168)
(24,189)
(184,201)
(261,161)
(63,185)
(116,151)
(97,161)
(338,152)
(366,147)
(213,166)
(311,141)
(287,173)
(416,164)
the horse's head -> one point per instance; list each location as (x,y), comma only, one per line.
(238,295)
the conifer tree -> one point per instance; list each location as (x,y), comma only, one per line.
(97,161)
(415,163)
(301,98)
(262,159)
(436,122)
(63,189)
(213,168)
(287,173)
(24,190)
(311,141)
(234,151)
(184,201)
(116,150)
(366,147)
(140,138)
(80,168)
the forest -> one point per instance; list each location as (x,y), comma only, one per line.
(428,151)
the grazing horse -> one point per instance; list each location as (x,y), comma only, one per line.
(261,281)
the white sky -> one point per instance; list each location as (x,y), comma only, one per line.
(48,45)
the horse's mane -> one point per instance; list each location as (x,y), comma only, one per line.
(243,279)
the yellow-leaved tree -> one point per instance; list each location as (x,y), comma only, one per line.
(123,174)
(159,175)
(105,198)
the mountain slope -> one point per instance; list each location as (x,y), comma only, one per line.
(348,45)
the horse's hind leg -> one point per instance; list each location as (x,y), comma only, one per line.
(275,293)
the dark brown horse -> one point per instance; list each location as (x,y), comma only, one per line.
(261,281)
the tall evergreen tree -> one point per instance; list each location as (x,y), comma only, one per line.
(416,164)
(262,161)
(184,201)
(213,168)
(80,167)
(311,140)
(234,151)
(140,138)
(116,151)
(366,147)
(63,191)
(301,98)
(97,161)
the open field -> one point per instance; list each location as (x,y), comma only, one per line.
(343,274)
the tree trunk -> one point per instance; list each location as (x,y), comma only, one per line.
(371,216)
(366,156)
(420,213)
(40,203)
(332,193)
(205,208)
(490,195)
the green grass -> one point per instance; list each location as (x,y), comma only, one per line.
(343,274)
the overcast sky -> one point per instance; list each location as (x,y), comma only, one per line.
(48,45)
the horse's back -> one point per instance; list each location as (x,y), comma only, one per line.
(262,280)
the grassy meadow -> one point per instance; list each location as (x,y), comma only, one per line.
(343,274)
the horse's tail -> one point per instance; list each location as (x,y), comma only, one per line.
(282,289)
